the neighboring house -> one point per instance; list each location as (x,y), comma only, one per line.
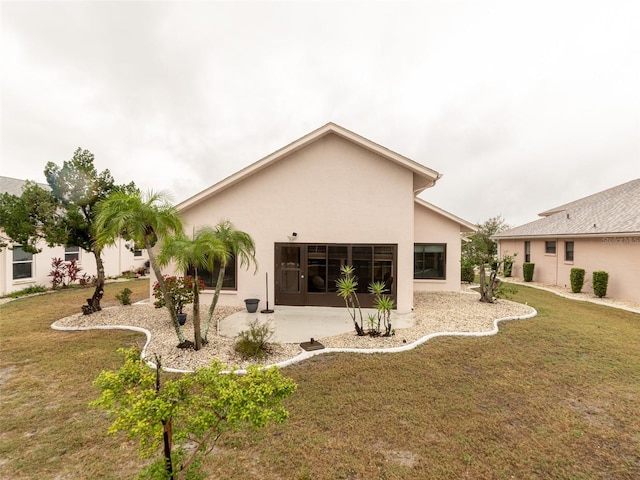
(329,199)
(20,269)
(598,232)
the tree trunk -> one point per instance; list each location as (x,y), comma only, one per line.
(486,290)
(166,427)
(166,437)
(214,301)
(99,291)
(483,285)
(163,288)
(196,313)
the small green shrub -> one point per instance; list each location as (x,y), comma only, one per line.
(600,282)
(507,268)
(527,271)
(253,343)
(577,279)
(505,290)
(27,291)
(507,263)
(467,273)
(124,297)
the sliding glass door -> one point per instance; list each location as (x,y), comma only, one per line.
(306,274)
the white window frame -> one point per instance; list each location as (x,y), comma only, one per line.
(71,253)
(14,262)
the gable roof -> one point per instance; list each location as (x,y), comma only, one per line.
(423,177)
(615,211)
(464,225)
(13,186)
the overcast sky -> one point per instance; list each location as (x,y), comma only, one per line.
(522,106)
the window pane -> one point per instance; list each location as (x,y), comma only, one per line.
(337,258)
(429,261)
(363,266)
(71,253)
(22,270)
(290,281)
(22,263)
(550,247)
(211,278)
(317,268)
(290,257)
(568,251)
(20,255)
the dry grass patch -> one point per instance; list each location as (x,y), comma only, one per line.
(48,430)
(551,397)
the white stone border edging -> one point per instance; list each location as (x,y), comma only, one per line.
(305,355)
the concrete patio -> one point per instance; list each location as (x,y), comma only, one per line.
(300,324)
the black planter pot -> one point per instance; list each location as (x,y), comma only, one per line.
(182,318)
(252,304)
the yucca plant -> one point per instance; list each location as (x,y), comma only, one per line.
(347,286)
(384,304)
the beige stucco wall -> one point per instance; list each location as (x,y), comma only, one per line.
(116,259)
(331,191)
(619,256)
(431,227)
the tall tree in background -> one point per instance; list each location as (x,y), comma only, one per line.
(482,250)
(64,215)
(145,219)
(29,219)
(78,188)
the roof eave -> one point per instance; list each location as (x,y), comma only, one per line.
(465,226)
(566,235)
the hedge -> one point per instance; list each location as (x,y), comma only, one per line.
(527,271)
(577,279)
(600,282)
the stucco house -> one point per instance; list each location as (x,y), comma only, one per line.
(598,232)
(332,198)
(20,269)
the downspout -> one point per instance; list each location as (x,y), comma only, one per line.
(557,256)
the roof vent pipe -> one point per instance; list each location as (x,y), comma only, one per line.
(567,215)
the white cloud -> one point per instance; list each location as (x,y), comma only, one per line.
(523,106)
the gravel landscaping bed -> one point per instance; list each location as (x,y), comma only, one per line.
(434,312)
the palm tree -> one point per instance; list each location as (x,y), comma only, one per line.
(199,251)
(237,244)
(143,218)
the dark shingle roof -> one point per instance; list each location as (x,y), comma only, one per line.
(612,211)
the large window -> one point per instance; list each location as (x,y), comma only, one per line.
(71,253)
(568,251)
(550,247)
(371,263)
(22,263)
(430,261)
(211,278)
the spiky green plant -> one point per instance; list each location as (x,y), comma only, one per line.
(347,287)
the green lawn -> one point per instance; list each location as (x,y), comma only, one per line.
(556,396)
